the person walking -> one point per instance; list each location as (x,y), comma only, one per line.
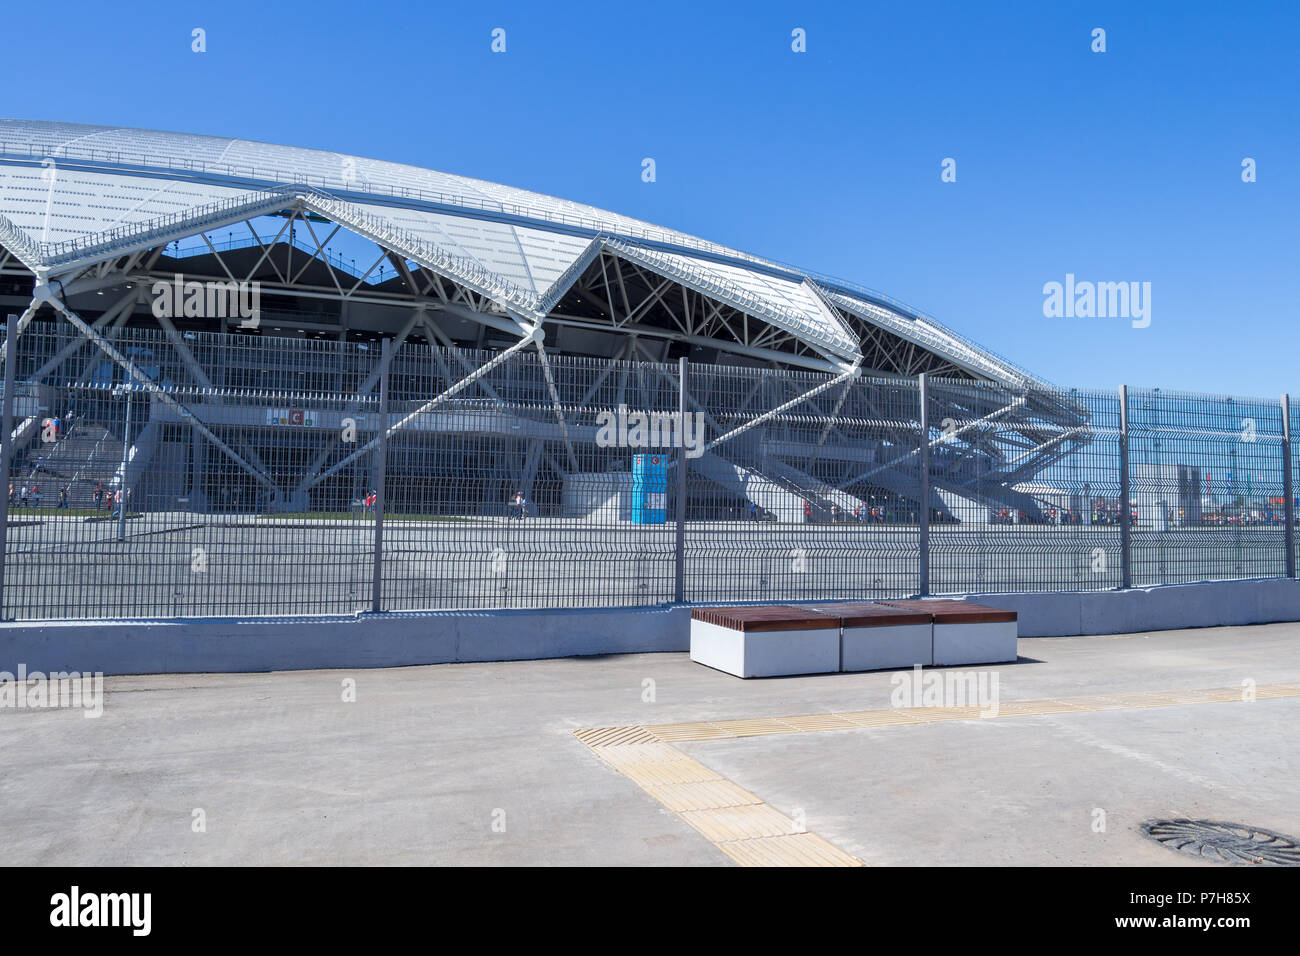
(63,497)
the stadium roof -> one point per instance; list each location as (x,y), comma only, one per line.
(75,194)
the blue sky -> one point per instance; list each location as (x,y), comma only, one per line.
(1115,166)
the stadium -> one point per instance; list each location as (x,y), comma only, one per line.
(722,482)
(527,301)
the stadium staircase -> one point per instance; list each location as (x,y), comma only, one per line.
(85,455)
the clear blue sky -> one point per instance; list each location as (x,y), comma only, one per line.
(1122,166)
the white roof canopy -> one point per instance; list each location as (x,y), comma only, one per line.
(74,193)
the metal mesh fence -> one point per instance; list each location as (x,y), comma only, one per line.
(157,473)
(177,492)
(504,495)
(799,499)
(1026,489)
(1206,475)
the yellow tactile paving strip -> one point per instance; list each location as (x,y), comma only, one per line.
(755,834)
(799,849)
(729,816)
(807,723)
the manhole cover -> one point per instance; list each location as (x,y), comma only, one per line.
(1225,842)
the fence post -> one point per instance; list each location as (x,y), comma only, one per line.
(923,513)
(6,447)
(127,393)
(1288,490)
(680,589)
(377,576)
(1125,515)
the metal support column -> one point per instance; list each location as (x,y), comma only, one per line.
(1288,490)
(377,591)
(682,398)
(1125,508)
(7,447)
(923,512)
(126,466)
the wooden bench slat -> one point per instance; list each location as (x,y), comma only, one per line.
(765,617)
(949,611)
(871,614)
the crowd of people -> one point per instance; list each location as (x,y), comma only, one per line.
(33,497)
(862,513)
(1102,513)
(519,506)
(1054,516)
(1249,518)
(107,499)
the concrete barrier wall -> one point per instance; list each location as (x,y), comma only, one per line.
(202,645)
(1168,607)
(206,645)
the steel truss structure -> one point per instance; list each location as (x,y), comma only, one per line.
(92,218)
(245,378)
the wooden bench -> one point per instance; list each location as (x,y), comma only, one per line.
(966,633)
(772,640)
(765,640)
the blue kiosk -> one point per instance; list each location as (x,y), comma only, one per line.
(649,489)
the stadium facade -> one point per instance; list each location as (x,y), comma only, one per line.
(537,313)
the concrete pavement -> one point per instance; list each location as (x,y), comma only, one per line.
(478,764)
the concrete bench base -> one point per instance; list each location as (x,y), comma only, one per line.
(885,648)
(765,653)
(966,633)
(988,643)
(765,640)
